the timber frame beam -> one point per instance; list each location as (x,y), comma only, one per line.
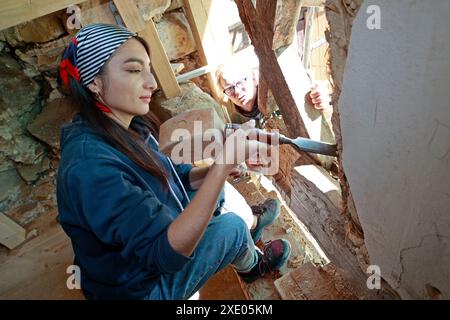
(14,12)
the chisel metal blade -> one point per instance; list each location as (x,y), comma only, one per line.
(309,145)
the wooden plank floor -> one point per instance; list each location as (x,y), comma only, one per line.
(37,269)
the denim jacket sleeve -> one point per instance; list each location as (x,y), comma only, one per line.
(183,171)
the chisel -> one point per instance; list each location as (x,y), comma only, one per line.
(302,144)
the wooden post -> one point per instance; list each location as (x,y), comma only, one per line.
(147,30)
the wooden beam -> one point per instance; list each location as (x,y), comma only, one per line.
(315,199)
(193,74)
(11,234)
(147,30)
(263,92)
(14,12)
(211,36)
(267,11)
(160,62)
(259,26)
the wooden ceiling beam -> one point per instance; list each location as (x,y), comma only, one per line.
(14,12)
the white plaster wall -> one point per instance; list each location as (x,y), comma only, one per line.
(395,117)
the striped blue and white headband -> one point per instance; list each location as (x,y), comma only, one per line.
(90,49)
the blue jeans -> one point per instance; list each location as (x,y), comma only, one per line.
(227,240)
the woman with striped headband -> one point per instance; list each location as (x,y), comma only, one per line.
(135,232)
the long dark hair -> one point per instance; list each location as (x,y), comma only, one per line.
(127,141)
